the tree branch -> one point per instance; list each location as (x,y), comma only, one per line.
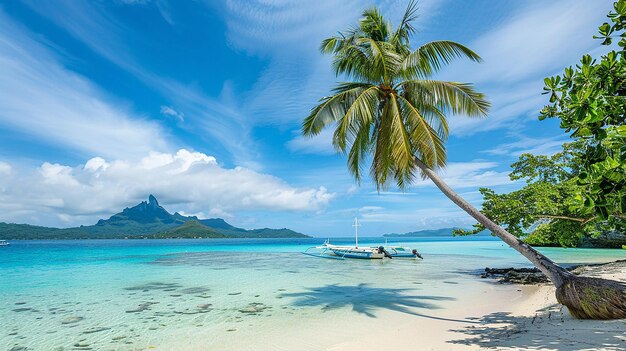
(581,220)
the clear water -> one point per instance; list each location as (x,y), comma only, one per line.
(224,294)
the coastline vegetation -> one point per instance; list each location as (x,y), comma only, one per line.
(393,114)
(578,193)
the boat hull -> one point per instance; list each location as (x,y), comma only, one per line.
(347,253)
(365,253)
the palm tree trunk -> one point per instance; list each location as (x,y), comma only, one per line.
(584,297)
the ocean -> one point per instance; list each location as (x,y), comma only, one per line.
(232,294)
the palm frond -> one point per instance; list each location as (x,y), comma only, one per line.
(335,44)
(436,119)
(373,25)
(331,45)
(402,150)
(405,29)
(393,157)
(391,112)
(361,147)
(383,59)
(454,97)
(331,109)
(430,57)
(358,115)
(427,143)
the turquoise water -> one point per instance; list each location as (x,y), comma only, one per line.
(224,293)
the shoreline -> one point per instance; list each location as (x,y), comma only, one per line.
(506,316)
(173,297)
(541,322)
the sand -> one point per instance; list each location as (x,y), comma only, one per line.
(501,317)
(485,315)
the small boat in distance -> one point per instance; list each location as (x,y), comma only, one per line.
(327,250)
(4,243)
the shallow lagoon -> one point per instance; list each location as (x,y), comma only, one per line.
(228,293)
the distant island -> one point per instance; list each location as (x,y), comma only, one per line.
(429,233)
(147,220)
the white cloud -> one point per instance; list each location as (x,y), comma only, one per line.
(185,181)
(352,189)
(537,41)
(470,175)
(411,220)
(529,145)
(222,127)
(541,38)
(288,33)
(169,111)
(321,144)
(42,99)
(366,209)
(5,168)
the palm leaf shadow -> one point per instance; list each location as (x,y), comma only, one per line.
(366,299)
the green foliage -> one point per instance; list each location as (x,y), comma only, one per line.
(425,233)
(581,191)
(392,111)
(590,102)
(191,229)
(557,233)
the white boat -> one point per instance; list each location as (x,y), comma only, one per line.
(328,250)
(4,243)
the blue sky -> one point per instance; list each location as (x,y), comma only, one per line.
(200,103)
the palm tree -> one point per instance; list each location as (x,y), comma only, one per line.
(394,115)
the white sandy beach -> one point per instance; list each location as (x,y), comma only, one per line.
(489,316)
(502,317)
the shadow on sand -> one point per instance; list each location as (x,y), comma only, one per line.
(366,300)
(551,329)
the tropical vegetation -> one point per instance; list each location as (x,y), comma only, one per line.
(579,192)
(393,115)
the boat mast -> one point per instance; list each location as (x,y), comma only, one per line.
(356,226)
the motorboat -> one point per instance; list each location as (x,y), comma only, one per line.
(328,250)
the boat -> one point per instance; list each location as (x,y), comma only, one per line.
(401,251)
(327,250)
(4,243)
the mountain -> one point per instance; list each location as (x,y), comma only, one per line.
(148,219)
(145,218)
(191,229)
(430,233)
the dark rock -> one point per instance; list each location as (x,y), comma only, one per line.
(95,330)
(515,275)
(534,275)
(194,290)
(22,309)
(154,286)
(142,307)
(72,320)
(254,308)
